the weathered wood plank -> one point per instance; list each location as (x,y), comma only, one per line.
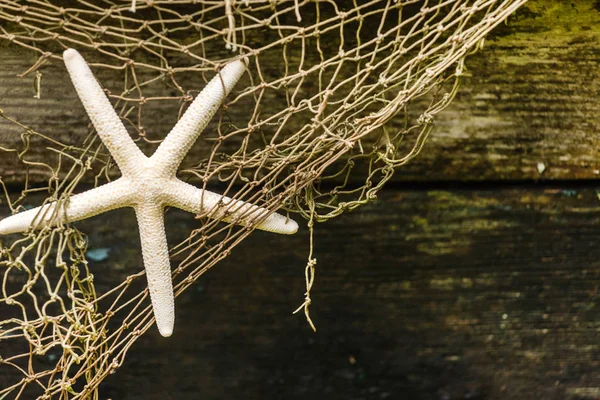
(531,99)
(529,104)
(434,294)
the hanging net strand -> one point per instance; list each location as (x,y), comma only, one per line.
(337,96)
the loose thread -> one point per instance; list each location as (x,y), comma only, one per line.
(309,271)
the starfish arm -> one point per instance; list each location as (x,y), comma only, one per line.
(156,261)
(80,206)
(178,142)
(106,121)
(192,199)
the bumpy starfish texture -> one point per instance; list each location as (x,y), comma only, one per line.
(149,184)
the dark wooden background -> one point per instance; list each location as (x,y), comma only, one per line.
(475,275)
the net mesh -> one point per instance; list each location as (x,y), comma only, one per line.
(337,96)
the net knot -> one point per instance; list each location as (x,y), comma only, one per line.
(383,80)
(425,119)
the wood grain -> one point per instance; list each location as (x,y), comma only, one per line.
(426,294)
(488,294)
(528,104)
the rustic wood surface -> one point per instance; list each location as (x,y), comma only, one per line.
(425,294)
(531,98)
(450,293)
(440,289)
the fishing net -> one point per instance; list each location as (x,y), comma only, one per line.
(336,92)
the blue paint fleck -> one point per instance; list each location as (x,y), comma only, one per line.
(99,254)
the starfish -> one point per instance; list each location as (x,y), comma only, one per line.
(149,184)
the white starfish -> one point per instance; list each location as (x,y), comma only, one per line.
(148,184)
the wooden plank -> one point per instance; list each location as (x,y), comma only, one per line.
(528,105)
(423,294)
(437,294)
